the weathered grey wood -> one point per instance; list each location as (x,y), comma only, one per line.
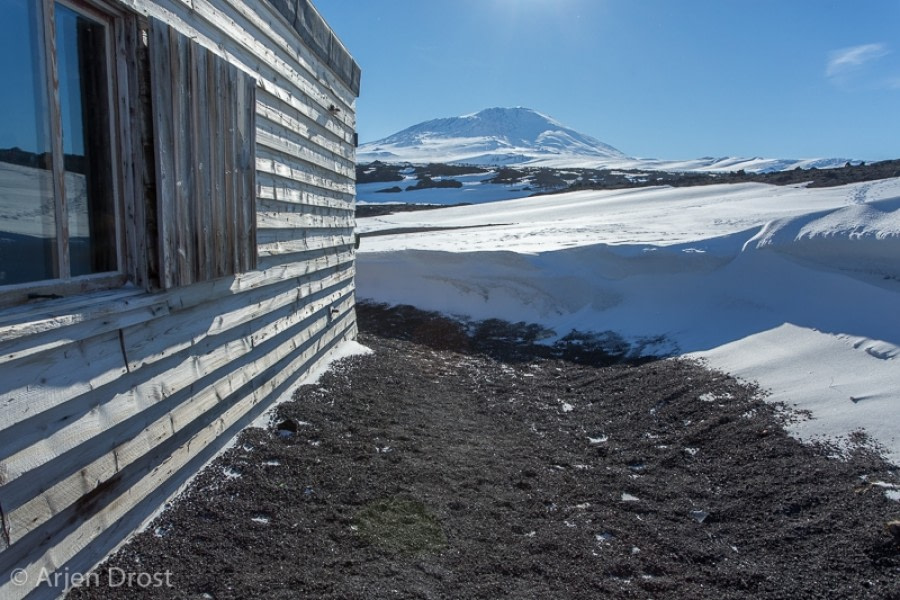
(180,73)
(246,129)
(164,145)
(37,382)
(126,67)
(302,220)
(264,41)
(277,241)
(276,138)
(111,397)
(273,187)
(200,140)
(231,114)
(43,341)
(157,389)
(276,163)
(274,110)
(313,29)
(153,341)
(115,509)
(310,89)
(41,508)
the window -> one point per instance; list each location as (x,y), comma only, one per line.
(57,182)
(126,152)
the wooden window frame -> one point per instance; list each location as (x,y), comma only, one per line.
(149,236)
(65,285)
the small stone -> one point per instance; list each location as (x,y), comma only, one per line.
(893,528)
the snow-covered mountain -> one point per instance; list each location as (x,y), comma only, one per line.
(491,136)
(522,136)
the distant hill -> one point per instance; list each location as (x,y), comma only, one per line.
(525,137)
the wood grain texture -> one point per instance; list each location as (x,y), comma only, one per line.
(244,267)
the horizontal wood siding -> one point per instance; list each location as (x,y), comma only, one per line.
(110,401)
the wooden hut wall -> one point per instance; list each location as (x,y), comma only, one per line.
(111,400)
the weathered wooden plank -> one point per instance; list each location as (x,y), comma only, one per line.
(173,381)
(180,70)
(268,205)
(231,115)
(62,312)
(203,194)
(317,259)
(207,292)
(302,245)
(164,143)
(273,109)
(45,380)
(24,321)
(276,163)
(299,220)
(280,140)
(207,29)
(44,341)
(51,79)
(239,23)
(277,118)
(150,342)
(114,510)
(246,144)
(274,187)
(127,67)
(217,164)
(21,397)
(250,148)
(242,211)
(283,35)
(303,105)
(42,507)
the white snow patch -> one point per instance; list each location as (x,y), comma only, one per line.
(791,287)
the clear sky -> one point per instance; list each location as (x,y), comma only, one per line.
(654,78)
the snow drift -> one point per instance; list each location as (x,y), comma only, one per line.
(795,288)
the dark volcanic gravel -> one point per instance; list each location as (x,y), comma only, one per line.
(453,464)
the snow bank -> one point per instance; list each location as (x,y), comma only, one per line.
(794,288)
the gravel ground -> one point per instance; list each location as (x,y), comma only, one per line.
(464,461)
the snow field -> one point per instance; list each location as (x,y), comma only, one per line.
(797,289)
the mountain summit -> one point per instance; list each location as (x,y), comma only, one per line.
(491,136)
(525,137)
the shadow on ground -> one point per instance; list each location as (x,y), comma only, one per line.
(495,338)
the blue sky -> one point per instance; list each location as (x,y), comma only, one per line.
(654,78)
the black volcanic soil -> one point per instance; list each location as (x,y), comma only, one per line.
(458,462)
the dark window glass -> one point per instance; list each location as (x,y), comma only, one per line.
(28,244)
(84,105)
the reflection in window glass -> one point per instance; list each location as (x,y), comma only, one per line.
(84,104)
(27,208)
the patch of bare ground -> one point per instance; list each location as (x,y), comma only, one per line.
(448,466)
